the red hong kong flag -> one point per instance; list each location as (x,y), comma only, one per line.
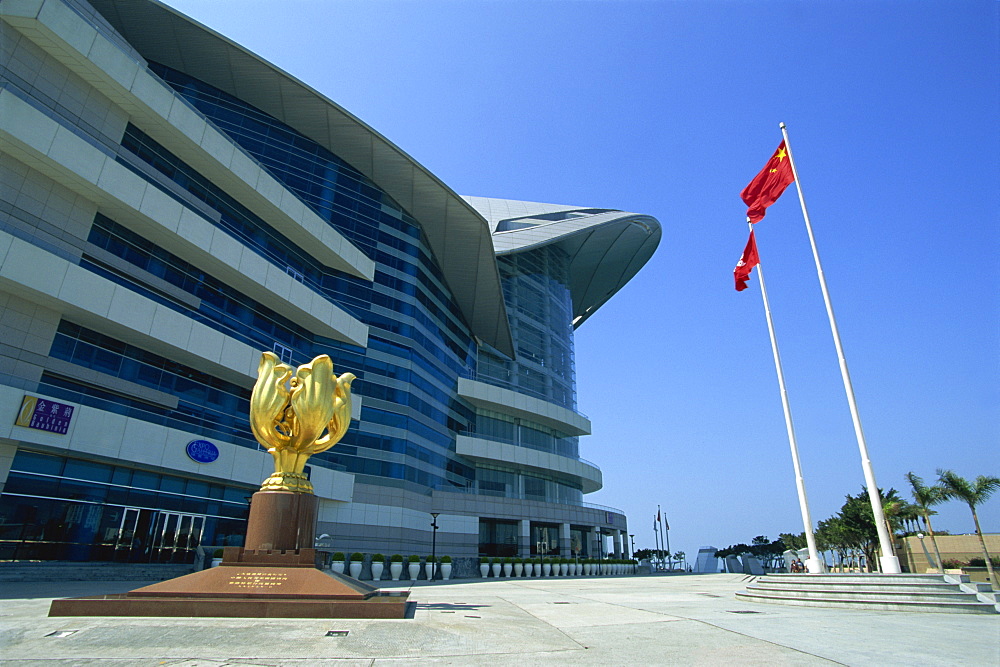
(767,186)
(746,264)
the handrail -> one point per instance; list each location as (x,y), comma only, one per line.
(472,374)
(522,496)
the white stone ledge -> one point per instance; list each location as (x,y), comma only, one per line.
(478,449)
(508,402)
(45,145)
(171,121)
(95,302)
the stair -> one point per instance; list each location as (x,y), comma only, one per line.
(71,571)
(884,592)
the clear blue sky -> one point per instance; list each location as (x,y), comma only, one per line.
(669,109)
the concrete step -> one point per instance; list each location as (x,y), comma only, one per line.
(865,595)
(890,592)
(913,606)
(70,571)
(872,586)
(903,579)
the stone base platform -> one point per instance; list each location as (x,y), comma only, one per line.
(248,585)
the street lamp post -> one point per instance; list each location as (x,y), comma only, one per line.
(632,552)
(434,534)
(600,550)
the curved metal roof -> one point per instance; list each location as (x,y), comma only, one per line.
(458,236)
(606,247)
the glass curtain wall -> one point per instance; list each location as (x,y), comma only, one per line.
(540,306)
(418,343)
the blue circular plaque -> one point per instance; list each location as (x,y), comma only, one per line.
(202,451)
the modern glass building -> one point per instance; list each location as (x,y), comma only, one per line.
(170,206)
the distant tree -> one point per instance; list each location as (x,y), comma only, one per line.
(924,497)
(972,493)
(833,535)
(793,541)
(761,547)
(896,511)
(856,527)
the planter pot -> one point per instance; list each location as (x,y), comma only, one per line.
(446,571)
(377,569)
(429,571)
(547,569)
(337,566)
(528,567)
(586,569)
(518,569)
(414,570)
(563,569)
(484,569)
(496,569)
(216,562)
(356,569)
(507,567)
(395,569)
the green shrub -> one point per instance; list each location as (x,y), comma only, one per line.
(357,557)
(445,559)
(338,556)
(396,558)
(217,553)
(431,559)
(414,559)
(378,558)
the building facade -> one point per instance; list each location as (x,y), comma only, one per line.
(170,206)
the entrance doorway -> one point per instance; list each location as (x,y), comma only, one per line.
(154,536)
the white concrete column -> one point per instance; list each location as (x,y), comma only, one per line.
(565,550)
(524,547)
(7,452)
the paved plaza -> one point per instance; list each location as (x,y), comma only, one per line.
(647,620)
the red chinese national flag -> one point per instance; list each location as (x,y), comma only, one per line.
(767,186)
(746,264)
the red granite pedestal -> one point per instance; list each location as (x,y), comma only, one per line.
(257,581)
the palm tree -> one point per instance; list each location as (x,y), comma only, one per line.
(925,496)
(974,493)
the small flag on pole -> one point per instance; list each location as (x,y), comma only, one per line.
(746,264)
(655,524)
(767,186)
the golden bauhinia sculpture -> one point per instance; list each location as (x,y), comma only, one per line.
(288,417)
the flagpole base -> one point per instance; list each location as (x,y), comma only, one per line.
(890,564)
(815,566)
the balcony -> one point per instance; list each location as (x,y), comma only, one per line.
(579,471)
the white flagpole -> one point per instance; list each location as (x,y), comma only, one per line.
(659,532)
(813,563)
(888,560)
(666,534)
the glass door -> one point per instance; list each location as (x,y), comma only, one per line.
(175,537)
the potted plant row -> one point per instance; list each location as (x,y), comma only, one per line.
(554,567)
(338,562)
